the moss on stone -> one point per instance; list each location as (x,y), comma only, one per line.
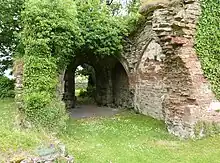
(146,2)
(148,6)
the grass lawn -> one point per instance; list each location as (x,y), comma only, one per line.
(125,138)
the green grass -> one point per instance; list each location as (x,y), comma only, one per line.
(12,139)
(125,138)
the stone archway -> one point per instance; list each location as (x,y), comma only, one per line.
(112,82)
(69,80)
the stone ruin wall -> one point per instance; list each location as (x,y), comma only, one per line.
(164,74)
(164,71)
(18,69)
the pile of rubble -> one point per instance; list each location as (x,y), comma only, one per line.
(51,154)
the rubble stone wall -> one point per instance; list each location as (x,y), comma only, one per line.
(165,72)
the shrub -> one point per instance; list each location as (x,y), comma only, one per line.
(6,87)
(83,93)
(43,111)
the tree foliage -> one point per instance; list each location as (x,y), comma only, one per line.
(6,87)
(102,33)
(208,42)
(9,27)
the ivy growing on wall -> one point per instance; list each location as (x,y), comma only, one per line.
(49,37)
(208,42)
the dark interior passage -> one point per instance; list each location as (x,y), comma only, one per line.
(107,83)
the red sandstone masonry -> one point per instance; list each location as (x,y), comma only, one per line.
(185,94)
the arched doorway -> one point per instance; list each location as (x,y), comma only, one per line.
(85,84)
(79,83)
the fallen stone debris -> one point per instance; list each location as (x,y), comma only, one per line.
(51,154)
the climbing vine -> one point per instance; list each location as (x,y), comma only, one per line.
(208,42)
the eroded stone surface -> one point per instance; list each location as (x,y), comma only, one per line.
(165,72)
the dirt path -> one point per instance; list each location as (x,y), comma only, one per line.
(86,111)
